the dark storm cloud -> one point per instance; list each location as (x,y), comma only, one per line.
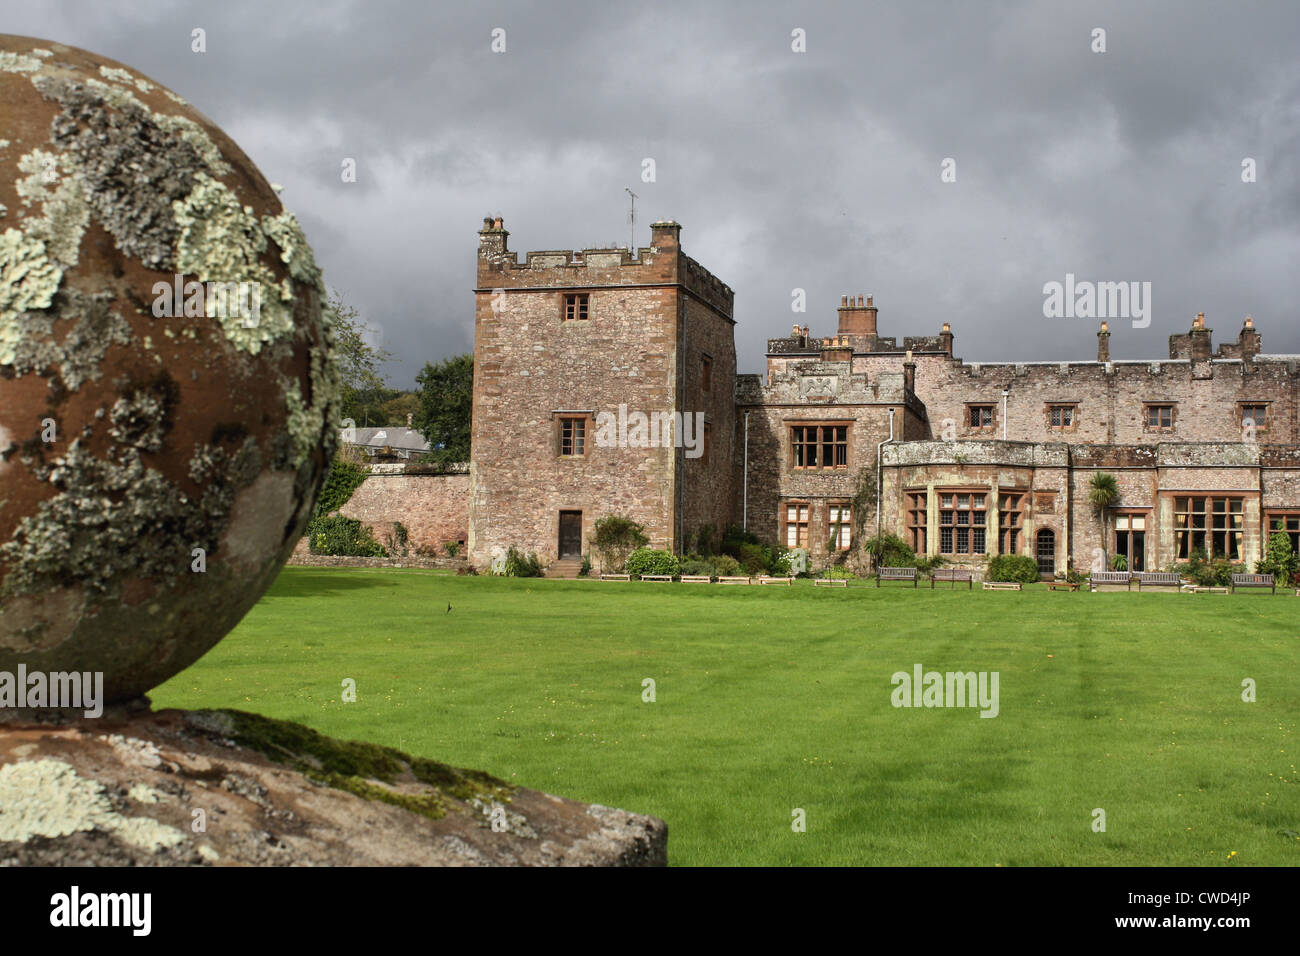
(817,171)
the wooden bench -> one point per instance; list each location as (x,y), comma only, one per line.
(830,582)
(733,579)
(1253,581)
(953,575)
(1158,579)
(696,579)
(658,578)
(768,579)
(1110,579)
(616,577)
(896,574)
(1063,585)
(1002,586)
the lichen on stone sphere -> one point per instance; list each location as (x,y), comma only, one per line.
(167,380)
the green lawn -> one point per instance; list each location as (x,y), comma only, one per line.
(771,699)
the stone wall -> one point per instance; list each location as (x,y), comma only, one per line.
(433,507)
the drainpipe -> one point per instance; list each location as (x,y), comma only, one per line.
(880,474)
(744,515)
(1005,393)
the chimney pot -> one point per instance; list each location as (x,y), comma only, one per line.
(1105,327)
(859,302)
(805,331)
(868,300)
(499,223)
(947,327)
(1200,320)
(1250,323)
(844,302)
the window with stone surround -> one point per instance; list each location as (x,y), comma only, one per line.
(706,374)
(1062,417)
(577,306)
(1289,521)
(1214,524)
(1010,523)
(818,447)
(839,525)
(1158,417)
(963,522)
(916,505)
(795,524)
(573,436)
(980,417)
(1253,413)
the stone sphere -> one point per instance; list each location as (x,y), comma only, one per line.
(167,383)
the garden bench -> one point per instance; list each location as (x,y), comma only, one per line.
(1063,585)
(769,579)
(1002,586)
(896,574)
(1254,581)
(732,579)
(953,575)
(696,579)
(830,582)
(1159,579)
(1110,579)
(616,577)
(658,578)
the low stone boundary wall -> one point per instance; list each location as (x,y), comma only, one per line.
(344,561)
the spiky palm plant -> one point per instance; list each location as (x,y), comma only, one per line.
(1103,492)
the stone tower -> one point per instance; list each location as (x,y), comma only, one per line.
(570,348)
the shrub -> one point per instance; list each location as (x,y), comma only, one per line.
(794,561)
(1279,560)
(650,561)
(704,540)
(613,538)
(725,566)
(733,538)
(1207,573)
(697,565)
(452,548)
(343,536)
(519,565)
(1012,567)
(839,571)
(1118,562)
(585,570)
(890,551)
(753,558)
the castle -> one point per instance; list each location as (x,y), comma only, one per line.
(852,433)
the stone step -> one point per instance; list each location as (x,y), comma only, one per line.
(564,568)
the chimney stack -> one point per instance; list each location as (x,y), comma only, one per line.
(1249,340)
(492,238)
(1103,343)
(1202,346)
(945,339)
(857,318)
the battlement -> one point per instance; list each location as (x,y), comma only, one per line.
(661,263)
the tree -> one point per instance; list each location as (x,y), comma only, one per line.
(1103,492)
(1279,559)
(446,401)
(362,386)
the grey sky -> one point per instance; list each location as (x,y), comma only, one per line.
(816,170)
